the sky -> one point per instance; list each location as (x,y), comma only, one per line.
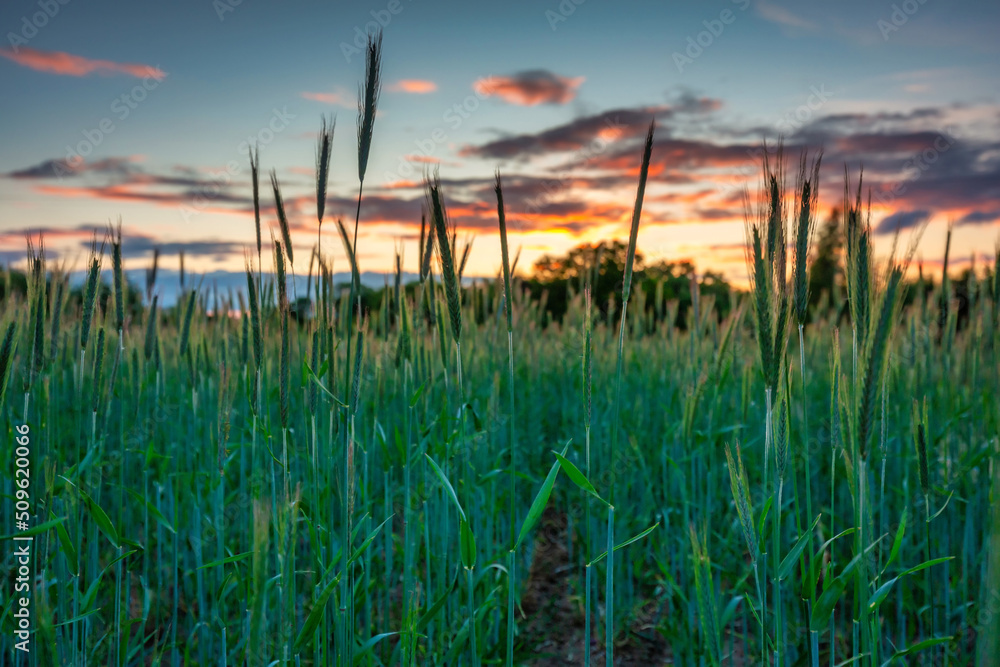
(145,111)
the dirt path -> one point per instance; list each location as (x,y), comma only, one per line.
(553,631)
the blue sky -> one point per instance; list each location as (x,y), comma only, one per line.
(162,96)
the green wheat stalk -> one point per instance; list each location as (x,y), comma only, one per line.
(626,290)
(509,308)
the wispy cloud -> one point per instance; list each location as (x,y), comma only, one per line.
(567,137)
(902,220)
(607,126)
(981,217)
(530,87)
(61,168)
(338,97)
(428,159)
(415,86)
(777,14)
(59,62)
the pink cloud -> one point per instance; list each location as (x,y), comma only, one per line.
(326,98)
(427,159)
(530,88)
(58,62)
(338,97)
(415,86)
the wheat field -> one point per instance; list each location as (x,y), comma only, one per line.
(439,479)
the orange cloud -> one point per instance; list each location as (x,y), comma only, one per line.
(428,159)
(82,233)
(530,88)
(128,193)
(403,185)
(58,62)
(338,97)
(415,86)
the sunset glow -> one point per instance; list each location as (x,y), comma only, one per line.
(559,103)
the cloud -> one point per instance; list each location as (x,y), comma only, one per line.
(134,192)
(719,213)
(415,86)
(83,233)
(339,97)
(403,184)
(429,159)
(596,130)
(569,136)
(59,62)
(135,244)
(776,14)
(913,160)
(47,169)
(139,246)
(530,87)
(688,102)
(825,129)
(588,191)
(61,168)
(422,159)
(670,155)
(886,143)
(902,220)
(980,217)
(122,179)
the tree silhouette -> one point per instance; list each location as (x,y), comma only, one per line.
(602,266)
(826,269)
